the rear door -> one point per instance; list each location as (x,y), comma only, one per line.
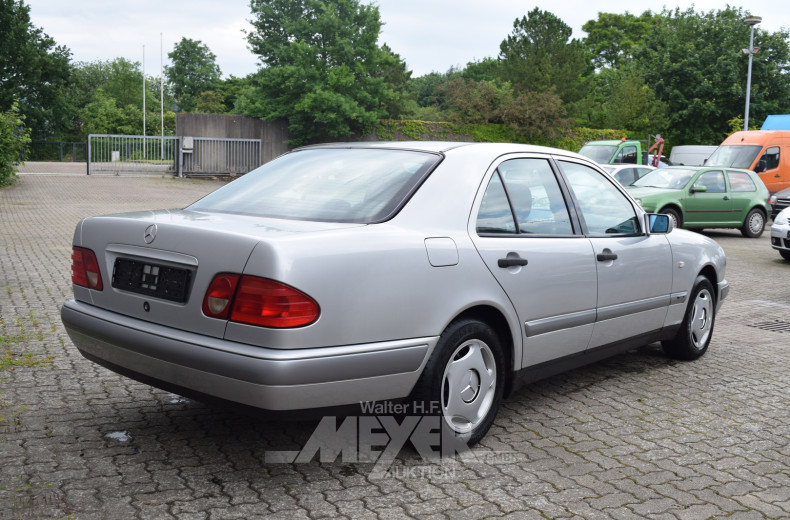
(532,244)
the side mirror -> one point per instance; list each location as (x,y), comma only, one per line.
(658,223)
(761,166)
(699,188)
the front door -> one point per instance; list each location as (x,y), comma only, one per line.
(634,270)
(712,206)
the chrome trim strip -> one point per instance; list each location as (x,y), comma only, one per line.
(624,309)
(554,323)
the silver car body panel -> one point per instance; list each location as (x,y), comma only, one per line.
(386,291)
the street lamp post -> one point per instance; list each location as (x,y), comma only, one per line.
(751,21)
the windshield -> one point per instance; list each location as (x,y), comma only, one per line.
(667,178)
(598,153)
(334,185)
(734,156)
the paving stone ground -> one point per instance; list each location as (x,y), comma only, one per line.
(636,436)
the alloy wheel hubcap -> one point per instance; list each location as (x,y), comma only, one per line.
(701,319)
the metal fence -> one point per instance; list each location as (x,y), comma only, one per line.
(215,156)
(192,156)
(118,154)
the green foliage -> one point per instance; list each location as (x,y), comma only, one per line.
(536,115)
(540,55)
(474,102)
(324,71)
(612,38)
(14,139)
(695,65)
(194,70)
(108,99)
(33,72)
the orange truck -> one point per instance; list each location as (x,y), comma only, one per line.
(767,152)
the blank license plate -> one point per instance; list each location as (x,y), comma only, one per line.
(159,281)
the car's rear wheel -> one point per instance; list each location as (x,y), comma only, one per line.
(695,333)
(463,380)
(785,254)
(673,215)
(754,224)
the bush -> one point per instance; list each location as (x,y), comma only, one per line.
(14,139)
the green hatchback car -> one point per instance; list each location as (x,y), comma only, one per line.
(705,197)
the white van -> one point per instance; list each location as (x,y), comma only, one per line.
(690,155)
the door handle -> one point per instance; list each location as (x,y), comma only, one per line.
(511,262)
(726,197)
(606,255)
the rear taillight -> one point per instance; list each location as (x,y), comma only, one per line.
(216,304)
(85,268)
(258,301)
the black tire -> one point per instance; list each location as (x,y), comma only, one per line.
(696,331)
(785,254)
(463,380)
(753,224)
(674,216)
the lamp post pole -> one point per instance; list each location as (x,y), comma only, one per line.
(751,21)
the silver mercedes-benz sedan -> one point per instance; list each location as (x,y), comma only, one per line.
(414,272)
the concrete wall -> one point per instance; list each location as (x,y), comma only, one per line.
(273,134)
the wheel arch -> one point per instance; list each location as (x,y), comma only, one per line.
(709,272)
(759,208)
(494,318)
(676,208)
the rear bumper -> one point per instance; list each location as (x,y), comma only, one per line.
(271,379)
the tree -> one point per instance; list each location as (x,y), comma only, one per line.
(540,55)
(14,138)
(612,38)
(693,62)
(194,70)
(33,72)
(108,97)
(324,71)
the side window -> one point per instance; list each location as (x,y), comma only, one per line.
(536,197)
(626,176)
(627,155)
(495,215)
(771,158)
(740,182)
(713,182)
(605,210)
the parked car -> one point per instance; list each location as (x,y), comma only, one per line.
(779,201)
(707,197)
(626,174)
(441,273)
(780,233)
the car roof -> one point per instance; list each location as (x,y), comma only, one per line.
(448,146)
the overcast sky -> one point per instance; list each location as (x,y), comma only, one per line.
(430,35)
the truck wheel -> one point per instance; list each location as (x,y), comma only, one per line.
(754,224)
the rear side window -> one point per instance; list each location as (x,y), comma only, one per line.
(740,181)
(352,185)
(523,197)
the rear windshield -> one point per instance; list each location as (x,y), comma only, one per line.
(734,156)
(333,185)
(598,153)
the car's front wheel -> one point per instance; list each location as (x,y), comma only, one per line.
(673,215)
(754,224)
(695,333)
(463,380)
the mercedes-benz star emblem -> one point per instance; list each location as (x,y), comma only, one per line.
(150,234)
